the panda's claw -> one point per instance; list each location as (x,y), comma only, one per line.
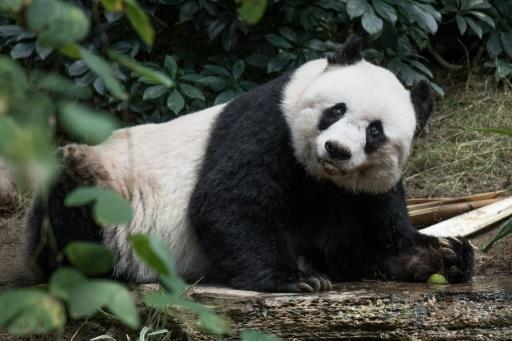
(326,283)
(315,283)
(444,242)
(449,254)
(304,287)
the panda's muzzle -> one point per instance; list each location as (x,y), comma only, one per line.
(337,152)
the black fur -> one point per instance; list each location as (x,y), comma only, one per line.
(256,211)
(332,115)
(349,54)
(374,142)
(423,102)
(67,224)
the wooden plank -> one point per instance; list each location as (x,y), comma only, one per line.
(472,222)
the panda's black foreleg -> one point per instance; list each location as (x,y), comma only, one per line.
(451,257)
(249,248)
(384,245)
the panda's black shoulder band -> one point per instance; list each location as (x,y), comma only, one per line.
(349,53)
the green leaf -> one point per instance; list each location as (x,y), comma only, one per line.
(252,335)
(91,258)
(506,40)
(191,91)
(124,308)
(113,5)
(371,23)
(238,69)
(22,50)
(475,27)
(154,252)
(63,280)
(110,207)
(505,229)
(104,71)
(140,21)
(29,147)
(289,34)
(356,8)
(13,75)
(213,82)
(251,11)
(11,6)
(175,102)
(209,320)
(87,297)
(483,17)
(155,91)
(225,96)
(461,24)
(171,66)
(494,46)
(63,86)
(30,311)
(385,11)
(56,23)
(88,125)
(278,41)
(217,70)
(148,74)
(437,279)
(278,63)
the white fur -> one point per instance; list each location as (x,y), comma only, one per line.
(155,166)
(370,93)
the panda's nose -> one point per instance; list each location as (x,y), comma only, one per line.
(336,151)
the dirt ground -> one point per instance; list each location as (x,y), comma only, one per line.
(446,160)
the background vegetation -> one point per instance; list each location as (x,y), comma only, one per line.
(78,69)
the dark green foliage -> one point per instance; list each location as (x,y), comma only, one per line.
(206,51)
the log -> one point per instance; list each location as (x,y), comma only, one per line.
(364,310)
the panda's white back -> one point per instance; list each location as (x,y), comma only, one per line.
(155,166)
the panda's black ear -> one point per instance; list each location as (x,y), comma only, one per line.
(349,53)
(423,102)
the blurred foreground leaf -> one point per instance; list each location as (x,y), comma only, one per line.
(91,258)
(90,126)
(110,208)
(30,311)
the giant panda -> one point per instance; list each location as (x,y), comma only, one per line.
(284,189)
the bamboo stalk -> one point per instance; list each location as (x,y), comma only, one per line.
(473,197)
(472,222)
(431,215)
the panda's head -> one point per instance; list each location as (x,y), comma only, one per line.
(353,122)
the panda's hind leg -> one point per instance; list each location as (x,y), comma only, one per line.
(80,167)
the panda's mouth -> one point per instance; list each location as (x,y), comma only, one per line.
(330,168)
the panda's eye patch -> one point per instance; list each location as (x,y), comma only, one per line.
(331,115)
(375,128)
(374,136)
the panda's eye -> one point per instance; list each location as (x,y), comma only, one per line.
(338,110)
(375,128)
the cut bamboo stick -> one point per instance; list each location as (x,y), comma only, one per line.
(472,222)
(473,197)
(435,214)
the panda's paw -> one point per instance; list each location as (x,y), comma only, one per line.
(458,258)
(310,283)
